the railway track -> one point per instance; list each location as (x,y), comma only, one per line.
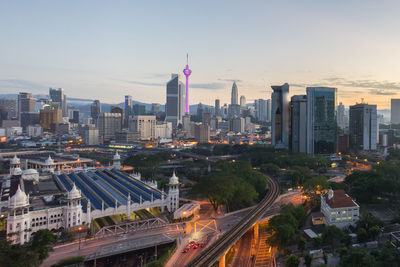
(213,252)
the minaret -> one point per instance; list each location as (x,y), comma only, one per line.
(173,193)
(187,73)
(117,161)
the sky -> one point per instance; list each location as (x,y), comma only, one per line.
(107,49)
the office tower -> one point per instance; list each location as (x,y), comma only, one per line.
(280,116)
(200,111)
(395,111)
(234,94)
(12,106)
(73,115)
(145,125)
(217,108)
(261,108)
(363,127)
(341,116)
(25,103)
(120,110)
(139,109)
(175,106)
(34,130)
(202,133)
(49,118)
(108,125)
(163,130)
(321,120)
(206,118)
(95,110)
(59,99)
(298,130)
(237,125)
(268,104)
(155,108)
(90,135)
(29,118)
(242,101)
(3,114)
(187,73)
(127,109)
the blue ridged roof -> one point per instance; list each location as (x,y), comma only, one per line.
(108,186)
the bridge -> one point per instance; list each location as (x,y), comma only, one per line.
(218,249)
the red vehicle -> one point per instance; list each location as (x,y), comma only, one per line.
(202,245)
(185,250)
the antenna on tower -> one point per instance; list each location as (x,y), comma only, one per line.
(187,58)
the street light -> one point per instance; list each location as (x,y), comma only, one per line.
(79,233)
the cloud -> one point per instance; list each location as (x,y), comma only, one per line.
(146,83)
(297,85)
(370,84)
(381,92)
(231,80)
(20,84)
(208,86)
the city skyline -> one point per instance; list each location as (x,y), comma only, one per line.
(122,49)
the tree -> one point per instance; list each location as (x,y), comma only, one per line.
(332,234)
(297,212)
(362,235)
(308,260)
(292,261)
(42,242)
(243,196)
(269,168)
(357,257)
(374,232)
(283,235)
(346,240)
(301,244)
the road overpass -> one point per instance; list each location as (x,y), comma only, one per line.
(217,250)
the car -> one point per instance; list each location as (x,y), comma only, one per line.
(202,245)
(185,250)
(194,246)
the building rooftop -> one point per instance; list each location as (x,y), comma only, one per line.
(339,199)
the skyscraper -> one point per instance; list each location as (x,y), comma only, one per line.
(280,116)
(12,107)
(59,99)
(341,116)
(95,110)
(363,127)
(298,129)
(175,106)
(217,107)
(187,73)
(26,103)
(242,101)
(395,111)
(321,120)
(262,109)
(127,109)
(109,124)
(234,94)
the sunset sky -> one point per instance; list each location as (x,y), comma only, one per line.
(107,49)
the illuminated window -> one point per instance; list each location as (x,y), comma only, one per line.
(338,219)
(344,212)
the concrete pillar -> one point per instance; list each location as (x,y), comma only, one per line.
(222,259)
(256,230)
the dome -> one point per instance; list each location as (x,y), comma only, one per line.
(19,199)
(74,193)
(15,160)
(30,174)
(16,171)
(116,156)
(174,179)
(49,161)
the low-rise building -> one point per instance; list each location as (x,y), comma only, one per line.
(339,209)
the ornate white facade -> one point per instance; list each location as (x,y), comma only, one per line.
(173,193)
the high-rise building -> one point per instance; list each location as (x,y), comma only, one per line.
(341,116)
(395,111)
(59,99)
(280,116)
(321,120)
(95,110)
(155,108)
(234,94)
(187,73)
(242,101)
(175,106)
(108,125)
(12,106)
(120,110)
(90,135)
(298,129)
(139,109)
(202,133)
(3,114)
(217,108)
(262,109)
(145,125)
(206,118)
(26,103)
(73,115)
(363,127)
(29,118)
(49,119)
(237,124)
(127,109)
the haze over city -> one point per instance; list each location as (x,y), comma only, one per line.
(132,47)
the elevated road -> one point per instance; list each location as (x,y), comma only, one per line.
(213,252)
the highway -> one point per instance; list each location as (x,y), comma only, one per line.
(213,252)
